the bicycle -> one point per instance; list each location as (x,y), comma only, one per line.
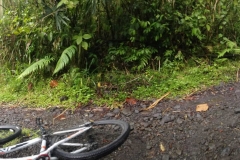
(81,143)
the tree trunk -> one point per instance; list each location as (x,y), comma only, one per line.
(1,8)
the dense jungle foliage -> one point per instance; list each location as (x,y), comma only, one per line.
(71,40)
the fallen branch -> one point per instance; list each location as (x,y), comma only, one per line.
(59,115)
(156,102)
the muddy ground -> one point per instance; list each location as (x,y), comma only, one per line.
(171,130)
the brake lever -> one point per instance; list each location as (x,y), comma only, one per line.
(39,122)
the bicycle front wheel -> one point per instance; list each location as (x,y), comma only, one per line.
(8,133)
(104,137)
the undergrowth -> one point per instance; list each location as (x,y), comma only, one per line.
(76,89)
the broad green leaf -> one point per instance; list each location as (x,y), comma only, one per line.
(237,50)
(50,36)
(61,3)
(87,36)
(85,45)
(75,37)
(79,40)
(208,27)
(235,2)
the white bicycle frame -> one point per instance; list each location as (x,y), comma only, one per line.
(45,152)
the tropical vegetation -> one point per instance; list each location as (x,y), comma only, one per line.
(71,51)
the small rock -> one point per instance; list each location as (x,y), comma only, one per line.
(146,119)
(179,152)
(199,117)
(165,157)
(46,123)
(143,106)
(237,92)
(177,107)
(166,119)
(149,146)
(116,110)
(211,146)
(157,116)
(233,123)
(27,120)
(136,111)
(179,121)
(145,113)
(91,115)
(145,124)
(237,110)
(126,112)
(110,114)
(148,129)
(180,128)
(131,125)
(173,155)
(205,129)
(116,128)
(226,152)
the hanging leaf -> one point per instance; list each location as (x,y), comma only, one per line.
(208,27)
(78,39)
(85,45)
(87,36)
(61,3)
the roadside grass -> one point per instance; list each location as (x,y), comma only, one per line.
(26,133)
(75,89)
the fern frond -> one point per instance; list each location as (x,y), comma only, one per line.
(42,63)
(66,56)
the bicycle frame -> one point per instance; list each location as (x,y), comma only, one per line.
(46,152)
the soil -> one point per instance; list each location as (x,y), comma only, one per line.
(173,129)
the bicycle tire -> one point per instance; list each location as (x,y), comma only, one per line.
(16,132)
(102,151)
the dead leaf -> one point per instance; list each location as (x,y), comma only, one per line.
(162,148)
(61,117)
(190,98)
(131,101)
(30,86)
(202,107)
(53,83)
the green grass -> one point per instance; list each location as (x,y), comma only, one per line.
(25,133)
(180,79)
(5,133)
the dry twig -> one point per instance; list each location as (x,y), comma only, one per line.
(156,102)
(59,115)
